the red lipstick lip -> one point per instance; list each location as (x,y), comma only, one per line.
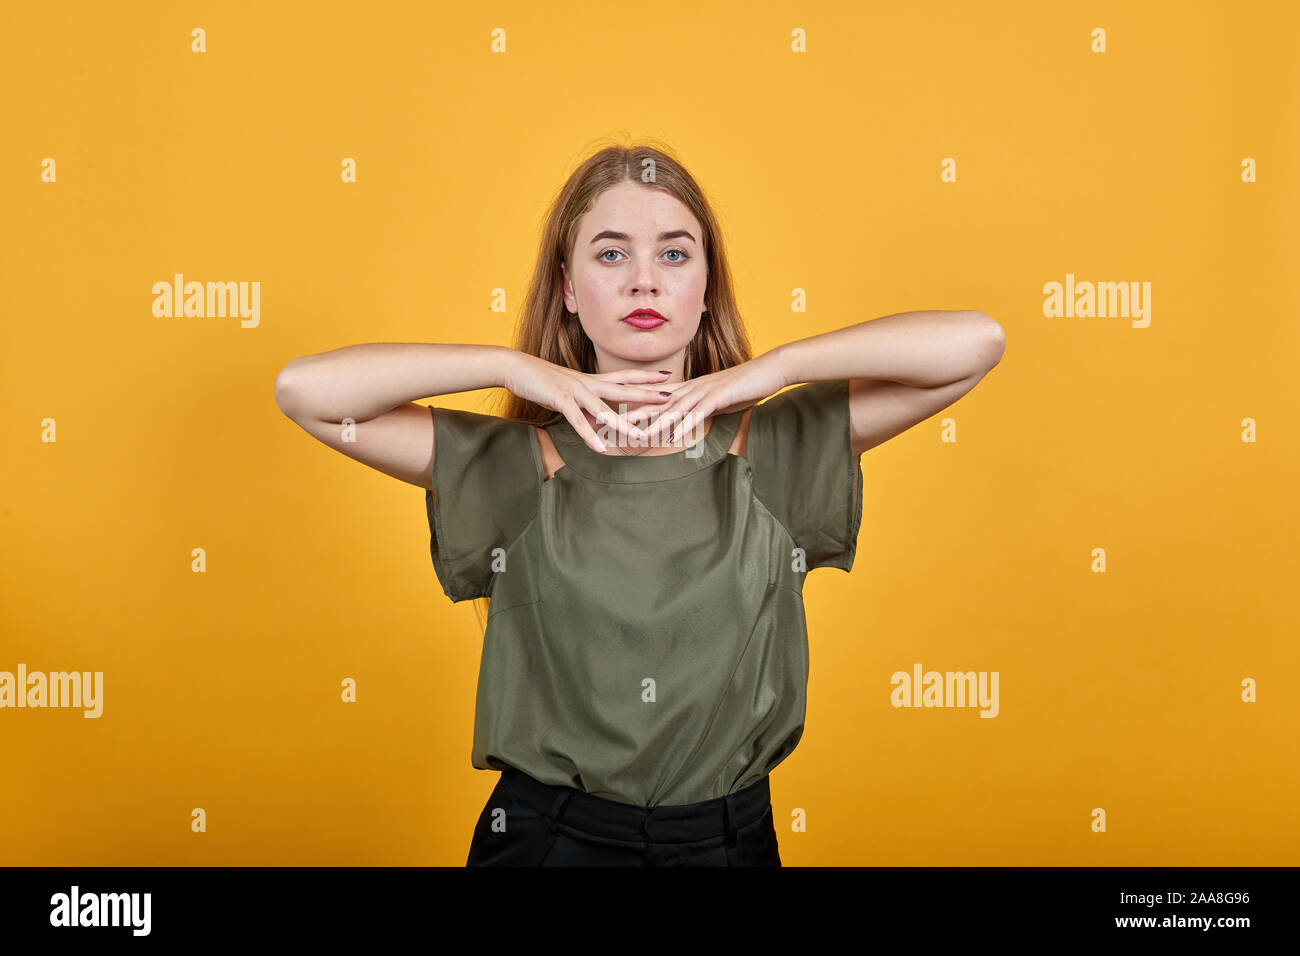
(649,312)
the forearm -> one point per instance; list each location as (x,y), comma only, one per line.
(924,349)
(364,381)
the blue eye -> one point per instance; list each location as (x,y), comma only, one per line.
(681,252)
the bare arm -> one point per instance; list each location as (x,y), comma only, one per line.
(902,368)
(375,385)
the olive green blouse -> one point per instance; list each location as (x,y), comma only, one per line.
(646,640)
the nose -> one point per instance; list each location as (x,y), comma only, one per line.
(646,278)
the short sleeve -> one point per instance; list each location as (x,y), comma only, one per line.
(487,472)
(800,451)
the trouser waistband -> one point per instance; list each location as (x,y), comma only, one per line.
(570,810)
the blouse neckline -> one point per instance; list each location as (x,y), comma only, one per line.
(629,469)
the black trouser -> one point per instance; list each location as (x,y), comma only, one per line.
(530,823)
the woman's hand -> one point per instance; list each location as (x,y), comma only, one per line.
(571,392)
(718,393)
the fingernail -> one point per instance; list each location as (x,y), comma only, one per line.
(669,394)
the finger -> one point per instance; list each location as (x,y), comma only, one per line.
(640,415)
(649,411)
(660,430)
(638,398)
(624,430)
(694,418)
(633,393)
(670,416)
(579,423)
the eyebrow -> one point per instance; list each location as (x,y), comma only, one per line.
(624,237)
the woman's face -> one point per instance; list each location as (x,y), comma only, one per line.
(638,248)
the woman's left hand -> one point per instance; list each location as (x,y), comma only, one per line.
(718,393)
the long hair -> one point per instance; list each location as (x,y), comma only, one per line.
(548,330)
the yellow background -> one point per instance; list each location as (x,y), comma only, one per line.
(1118,690)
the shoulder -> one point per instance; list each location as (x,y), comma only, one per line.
(462,422)
(805,416)
(462,437)
(484,492)
(800,452)
(484,461)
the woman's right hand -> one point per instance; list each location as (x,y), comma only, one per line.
(572,393)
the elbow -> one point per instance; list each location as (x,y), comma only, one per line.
(286,395)
(992,340)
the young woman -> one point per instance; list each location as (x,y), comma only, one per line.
(645,657)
